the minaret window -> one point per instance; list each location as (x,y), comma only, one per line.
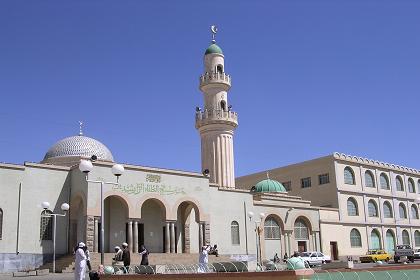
(219,69)
(223,105)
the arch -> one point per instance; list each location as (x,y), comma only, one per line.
(159,200)
(116,213)
(375,240)
(46,225)
(273,228)
(388,210)
(349,176)
(219,68)
(77,222)
(1,224)
(405,237)
(384,181)
(355,238)
(411,186)
(188,223)
(372,208)
(223,105)
(403,211)
(369,179)
(417,238)
(399,183)
(234,233)
(352,208)
(193,202)
(302,228)
(390,241)
(414,212)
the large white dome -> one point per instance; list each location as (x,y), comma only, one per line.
(79,146)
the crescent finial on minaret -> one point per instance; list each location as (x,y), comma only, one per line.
(213,29)
(80,128)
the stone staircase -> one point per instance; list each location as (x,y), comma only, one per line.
(66,263)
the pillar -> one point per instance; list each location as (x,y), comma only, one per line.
(200,236)
(96,238)
(317,241)
(206,237)
(167,238)
(288,244)
(136,237)
(172,237)
(130,236)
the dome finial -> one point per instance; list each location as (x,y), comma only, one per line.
(80,128)
(268,175)
(213,29)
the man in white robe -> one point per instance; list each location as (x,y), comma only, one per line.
(80,263)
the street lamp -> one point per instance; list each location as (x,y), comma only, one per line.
(258,230)
(117,169)
(64,207)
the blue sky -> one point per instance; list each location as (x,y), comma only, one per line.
(308,78)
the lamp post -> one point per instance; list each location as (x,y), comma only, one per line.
(258,231)
(65,207)
(117,169)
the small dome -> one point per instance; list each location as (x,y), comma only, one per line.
(79,146)
(213,48)
(269,185)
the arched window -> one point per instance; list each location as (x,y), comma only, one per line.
(46,225)
(352,207)
(234,232)
(223,105)
(219,68)
(355,238)
(301,230)
(1,223)
(403,211)
(414,212)
(369,179)
(349,176)
(384,181)
(405,238)
(417,238)
(390,241)
(375,240)
(271,229)
(372,208)
(388,210)
(399,183)
(411,187)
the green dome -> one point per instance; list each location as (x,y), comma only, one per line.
(213,48)
(269,185)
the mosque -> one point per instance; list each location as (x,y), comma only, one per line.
(176,212)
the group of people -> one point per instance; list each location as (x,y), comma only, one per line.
(122,257)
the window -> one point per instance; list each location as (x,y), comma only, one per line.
(223,105)
(46,225)
(324,178)
(390,241)
(369,179)
(418,186)
(352,207)
(388,210)
(417,238)
(403,211)
(301,230)
(399,183)
(287,185)
(234,230)
(349,176)
(411,187)
(271,228)
(372,208)
(405,237)
(384,181)
(1,223)
(375,240)
(355,238)
(219,69)
(305,182)
(414,212)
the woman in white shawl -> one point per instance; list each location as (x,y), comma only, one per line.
(80,262)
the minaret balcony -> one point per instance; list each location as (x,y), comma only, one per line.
(215,78)
(215,116)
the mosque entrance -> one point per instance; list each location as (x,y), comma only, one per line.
(116,215)
(191,232)
(152,218)
(77,222)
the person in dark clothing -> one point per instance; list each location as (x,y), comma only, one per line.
(144,253)
(126,257)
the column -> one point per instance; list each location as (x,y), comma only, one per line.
(136,237)
(289,245)
(172,237)
(317,241)
(96,242)
(286,248)
(167,238)
(200,236)
(130,236)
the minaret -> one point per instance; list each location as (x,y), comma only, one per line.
(216,122)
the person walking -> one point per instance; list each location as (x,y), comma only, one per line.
(126,257)
(203,259)
(144,253)
(87,253)
(80,263)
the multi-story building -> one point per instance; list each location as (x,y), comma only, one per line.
(377,202)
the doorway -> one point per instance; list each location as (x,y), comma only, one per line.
(334,250)
(302,247)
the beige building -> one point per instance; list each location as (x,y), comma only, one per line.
(376,202)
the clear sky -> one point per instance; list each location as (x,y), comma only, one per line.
(308,78)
